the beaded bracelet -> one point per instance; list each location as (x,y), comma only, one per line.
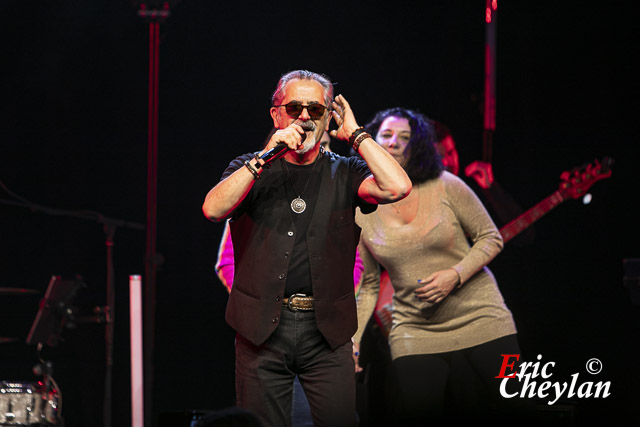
(361,137)
(255,173)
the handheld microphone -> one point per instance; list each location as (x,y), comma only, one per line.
(281,149)
(275,153)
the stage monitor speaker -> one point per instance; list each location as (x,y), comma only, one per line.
(187,418)
(232,416)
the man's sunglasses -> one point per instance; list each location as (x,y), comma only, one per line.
(294,109)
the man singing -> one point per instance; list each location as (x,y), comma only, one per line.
(292,223)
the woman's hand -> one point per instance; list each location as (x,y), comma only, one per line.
(437,286)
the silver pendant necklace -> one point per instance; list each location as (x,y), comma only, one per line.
(298,205)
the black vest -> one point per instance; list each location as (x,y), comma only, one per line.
(263,235)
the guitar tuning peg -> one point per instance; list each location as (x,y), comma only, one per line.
(607,162)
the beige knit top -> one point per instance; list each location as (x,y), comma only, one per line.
(449,216)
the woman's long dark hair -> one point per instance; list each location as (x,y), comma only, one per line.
(423,161)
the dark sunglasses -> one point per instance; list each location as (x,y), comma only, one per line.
(294,109)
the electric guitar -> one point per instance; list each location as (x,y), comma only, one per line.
(574,184)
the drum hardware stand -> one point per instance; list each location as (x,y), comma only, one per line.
(55,313)
(44,369)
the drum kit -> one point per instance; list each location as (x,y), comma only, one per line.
(25,403)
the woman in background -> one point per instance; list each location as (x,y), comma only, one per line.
(450,322)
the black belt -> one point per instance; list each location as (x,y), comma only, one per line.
(299,302)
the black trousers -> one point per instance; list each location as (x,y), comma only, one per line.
(265,374)
(457,386)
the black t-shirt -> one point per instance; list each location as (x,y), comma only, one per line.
(303,183)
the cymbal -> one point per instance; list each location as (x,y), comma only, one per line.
(17,291)
(4,340)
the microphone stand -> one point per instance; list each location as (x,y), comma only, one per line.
(108,312)
(110,230)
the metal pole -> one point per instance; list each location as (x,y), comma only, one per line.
(135,328)
(109,312)
(152,204)
(491,18)
(155,17)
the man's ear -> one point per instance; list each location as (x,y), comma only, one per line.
(274,116)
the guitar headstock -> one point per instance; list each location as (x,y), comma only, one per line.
(577,181)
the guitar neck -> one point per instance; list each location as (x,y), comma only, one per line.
(519,224)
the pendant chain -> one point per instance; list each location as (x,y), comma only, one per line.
(298,205)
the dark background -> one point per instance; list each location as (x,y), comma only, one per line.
(74,137)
